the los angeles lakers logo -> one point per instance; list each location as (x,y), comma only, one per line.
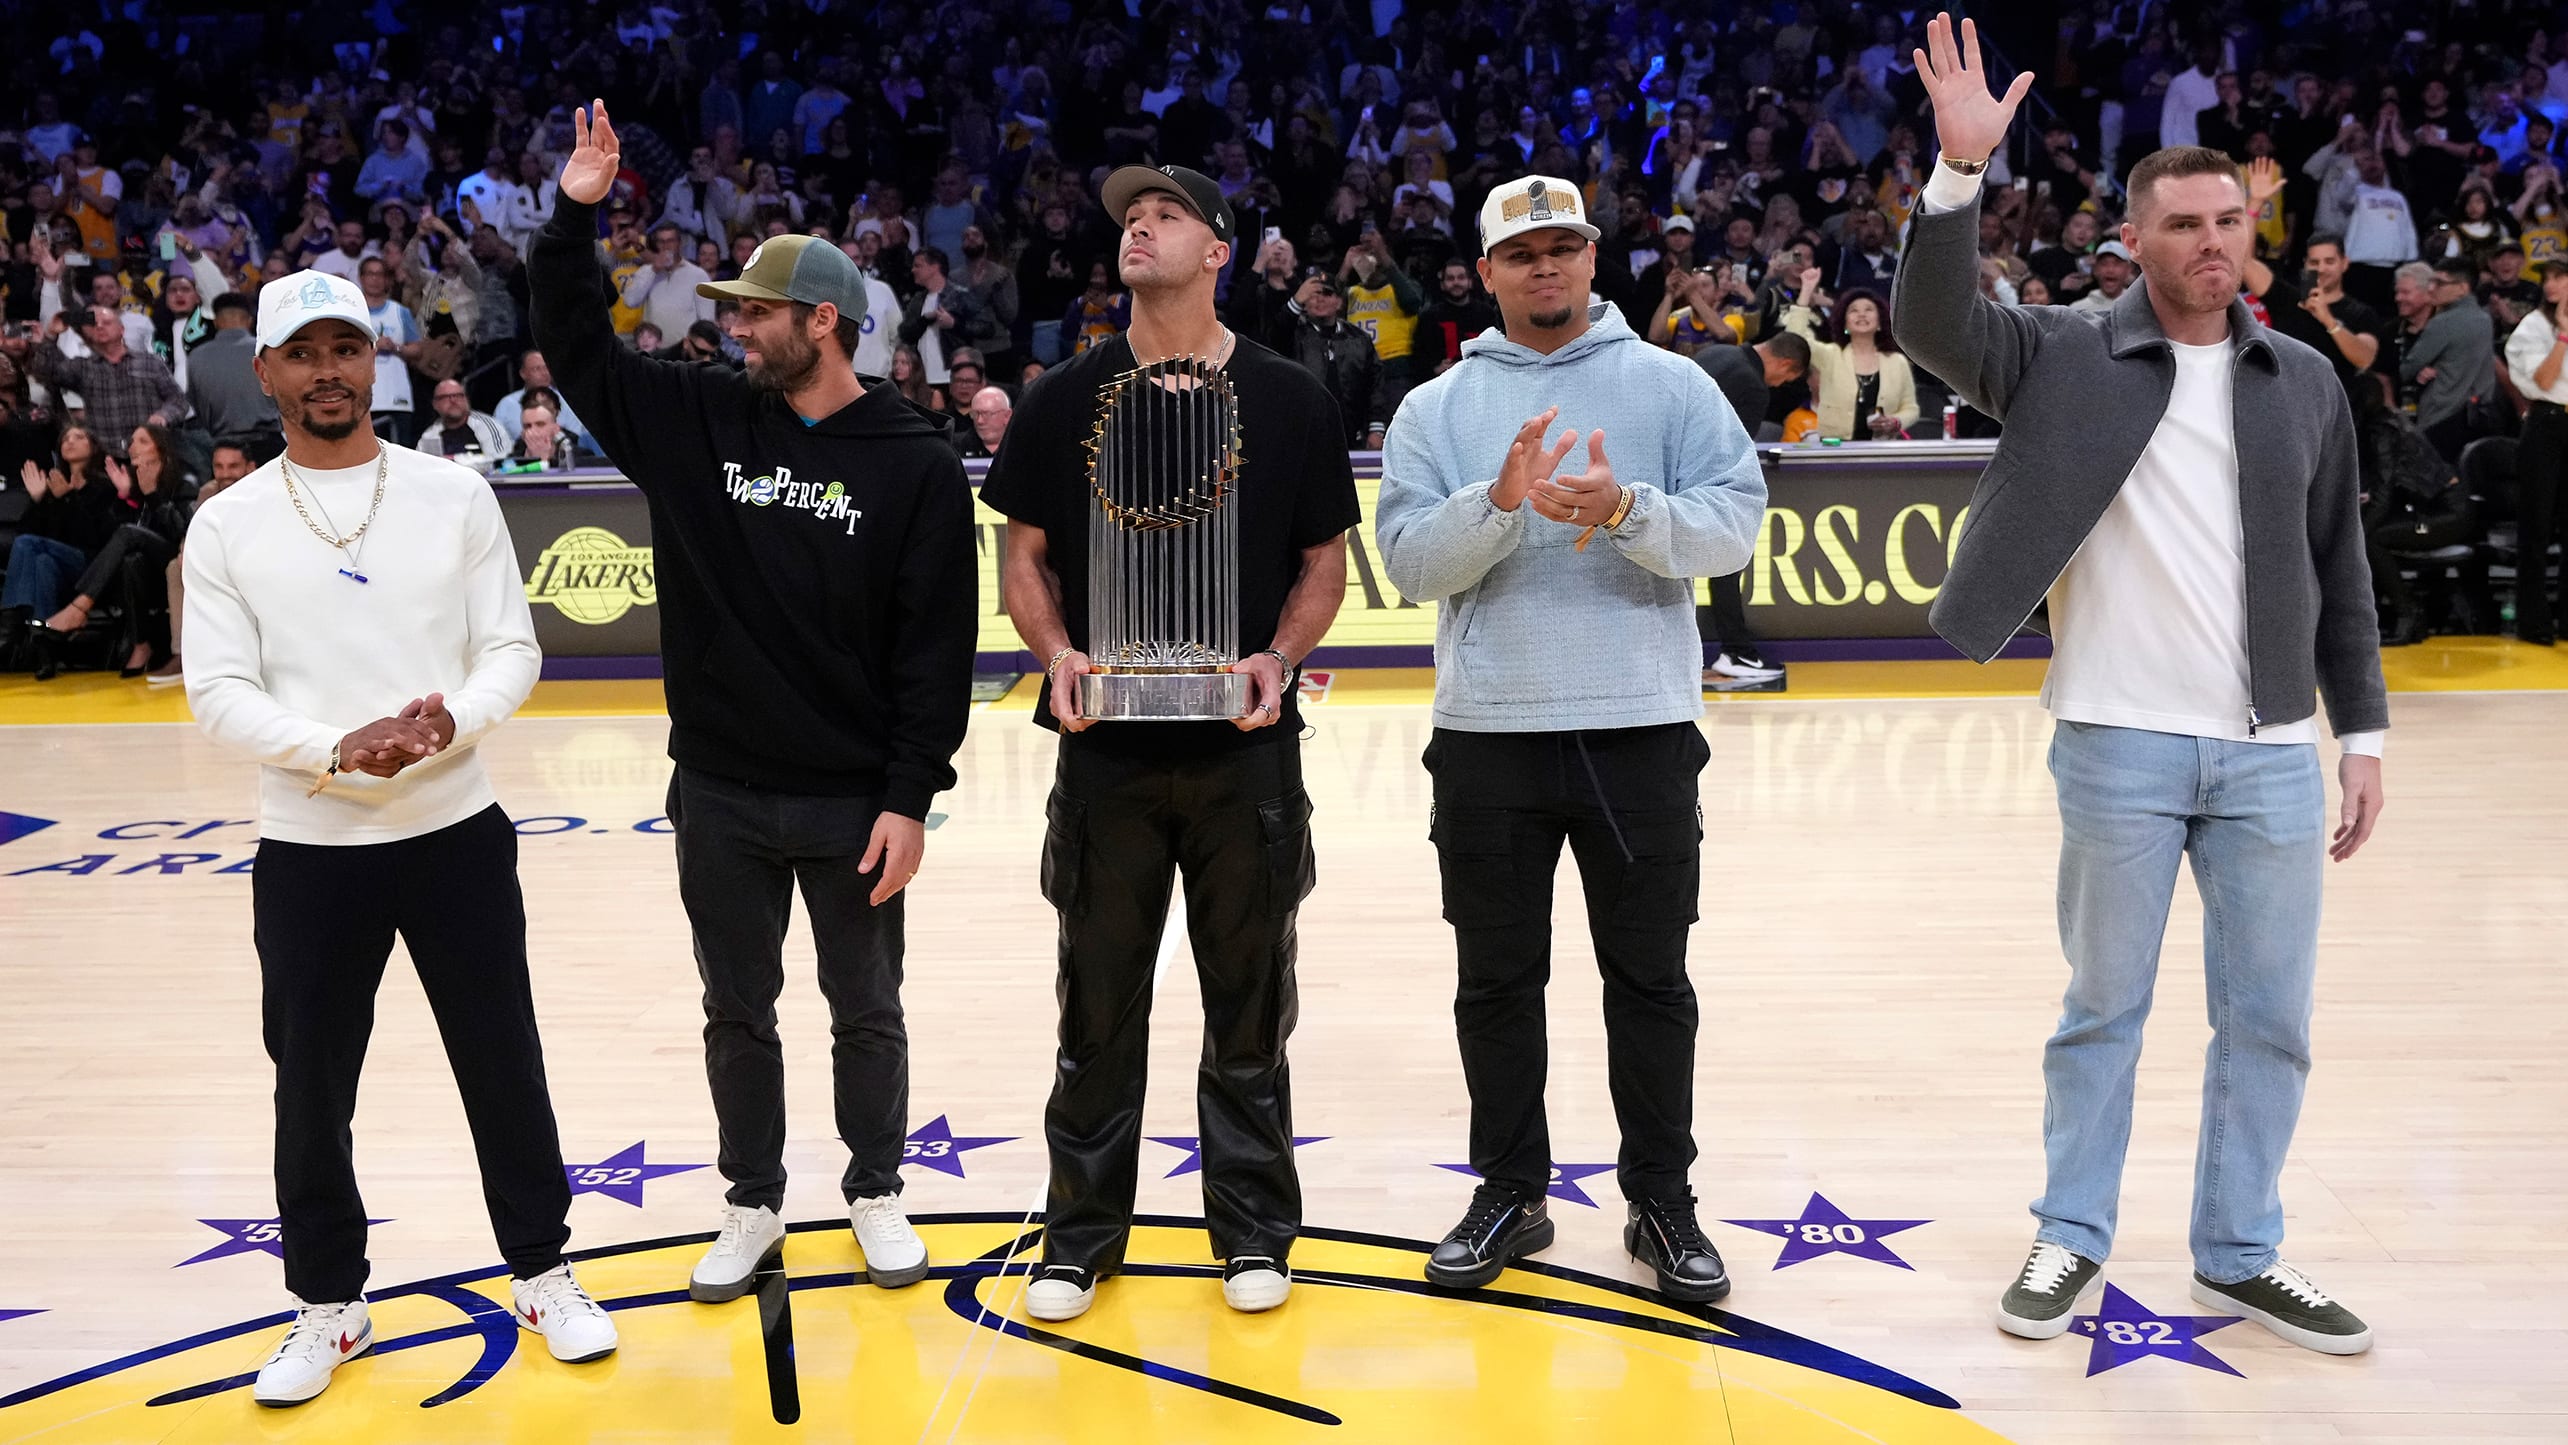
(593,577)
(1365,1351)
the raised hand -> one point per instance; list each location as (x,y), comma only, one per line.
(1529,461)
(2264,180)
(1585,499)
(595,155)
(121,476)
(1970,123)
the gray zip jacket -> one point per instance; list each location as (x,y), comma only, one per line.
(2081,394)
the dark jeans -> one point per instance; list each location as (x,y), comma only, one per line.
(1624,800)
(1121,830)
(2541,471)
(42,572)
(741,851)
(325,919)
(1724,623)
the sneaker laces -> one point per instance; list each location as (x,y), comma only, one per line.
(559,1292)
(1675,1219)
(1488,1203)
(735,1223)
(883,1215)
(315,1327)
(2049,1264)
(2299,1284)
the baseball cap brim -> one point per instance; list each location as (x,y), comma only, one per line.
(739,291)
(1130,183)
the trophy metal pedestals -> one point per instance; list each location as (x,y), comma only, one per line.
(1163,548)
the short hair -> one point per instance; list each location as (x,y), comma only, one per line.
(2176,163)
(1789,346)
(849,331)
(936,256)
(2457,271)
(2415,273)
(242,447)
(2329,238)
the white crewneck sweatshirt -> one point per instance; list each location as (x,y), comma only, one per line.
(286,654)
(2149,619)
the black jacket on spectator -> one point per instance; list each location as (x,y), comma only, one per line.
(1445,325)
(1342,358)
(816,583)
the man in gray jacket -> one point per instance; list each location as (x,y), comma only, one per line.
(2204,580)
(2454,355)
(1567,707)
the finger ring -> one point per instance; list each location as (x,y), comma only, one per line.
(1573,514)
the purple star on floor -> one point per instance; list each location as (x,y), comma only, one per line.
(1823,1228)
(247,1236)
(936,1146)
(1193,1163)
(1564,1179)
(2125,1332)
(620,1175)
(8,1315)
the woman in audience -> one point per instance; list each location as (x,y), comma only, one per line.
(1865,387)
(152,496)
(909,378)
(70,515)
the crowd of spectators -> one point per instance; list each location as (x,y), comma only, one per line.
(1751,167)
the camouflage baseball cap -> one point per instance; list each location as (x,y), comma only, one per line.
(796,268)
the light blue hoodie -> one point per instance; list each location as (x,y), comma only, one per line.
(1535,636)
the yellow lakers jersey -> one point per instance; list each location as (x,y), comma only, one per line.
(1378,312)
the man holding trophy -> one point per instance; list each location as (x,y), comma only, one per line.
(1178,499)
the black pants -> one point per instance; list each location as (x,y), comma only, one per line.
(2541,472)
(134,565)
(2408,525)
(326,919)
(1237,828)
(1724,624)
(741,851)
(1624,800)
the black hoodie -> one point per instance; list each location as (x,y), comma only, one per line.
(818,593)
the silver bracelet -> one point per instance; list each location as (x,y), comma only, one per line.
(1054,665)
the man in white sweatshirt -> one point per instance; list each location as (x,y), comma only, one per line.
(343,581)
(1567,699)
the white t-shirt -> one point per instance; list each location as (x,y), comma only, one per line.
(880,329)
(335,262)
(285,656)
(394,323)
(2380,231)
(2149,620)
(2187,97)
(931,342)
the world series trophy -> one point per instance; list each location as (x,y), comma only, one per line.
(1163,548)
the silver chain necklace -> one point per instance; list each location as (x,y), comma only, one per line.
(383,465)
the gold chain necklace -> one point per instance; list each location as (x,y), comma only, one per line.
(383,465)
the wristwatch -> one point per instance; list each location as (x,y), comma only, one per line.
(1961,167)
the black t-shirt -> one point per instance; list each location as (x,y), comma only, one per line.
(1740,373)
(2283,304)
(1296,486)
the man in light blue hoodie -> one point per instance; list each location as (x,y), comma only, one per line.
(1567,700)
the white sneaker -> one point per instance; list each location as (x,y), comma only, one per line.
(1060,1292)
(1746,668)
(323,1338)
(1253,1283)
(553,1305)
(894,1254)
(748,1237)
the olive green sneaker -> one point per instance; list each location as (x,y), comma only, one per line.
(2283,1300)
(2037,1306)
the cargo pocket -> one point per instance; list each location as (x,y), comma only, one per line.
(1284,831)
(1476,855)
(1661,886)
(1065,847)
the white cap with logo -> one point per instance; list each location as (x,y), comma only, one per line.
(290,303)
(1535,203)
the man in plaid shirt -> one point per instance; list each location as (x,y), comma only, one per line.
(120,388)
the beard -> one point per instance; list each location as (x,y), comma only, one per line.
(1550,320)
(788,367)
(297,414)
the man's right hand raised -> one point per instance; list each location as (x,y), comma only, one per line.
(1970,123)
(1529,461)
(595,155)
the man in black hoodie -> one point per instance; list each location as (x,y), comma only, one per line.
(817,596)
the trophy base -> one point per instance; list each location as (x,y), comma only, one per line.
(1207,696)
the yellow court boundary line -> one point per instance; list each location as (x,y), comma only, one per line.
(2444,665)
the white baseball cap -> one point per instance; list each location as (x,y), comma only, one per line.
(1535,203)
(290,303)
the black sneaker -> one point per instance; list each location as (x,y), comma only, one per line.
(1060,1292)
(1663,1235)
(1255,1283)
(2038,1305)
(1499,1226)
(2283,1300)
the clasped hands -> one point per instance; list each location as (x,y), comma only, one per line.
(1583,499)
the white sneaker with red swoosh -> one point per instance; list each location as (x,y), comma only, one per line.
(323,1338)
(553,1305)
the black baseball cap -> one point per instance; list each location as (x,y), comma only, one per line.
(1193,189)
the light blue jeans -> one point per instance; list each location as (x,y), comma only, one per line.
(2252,818)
